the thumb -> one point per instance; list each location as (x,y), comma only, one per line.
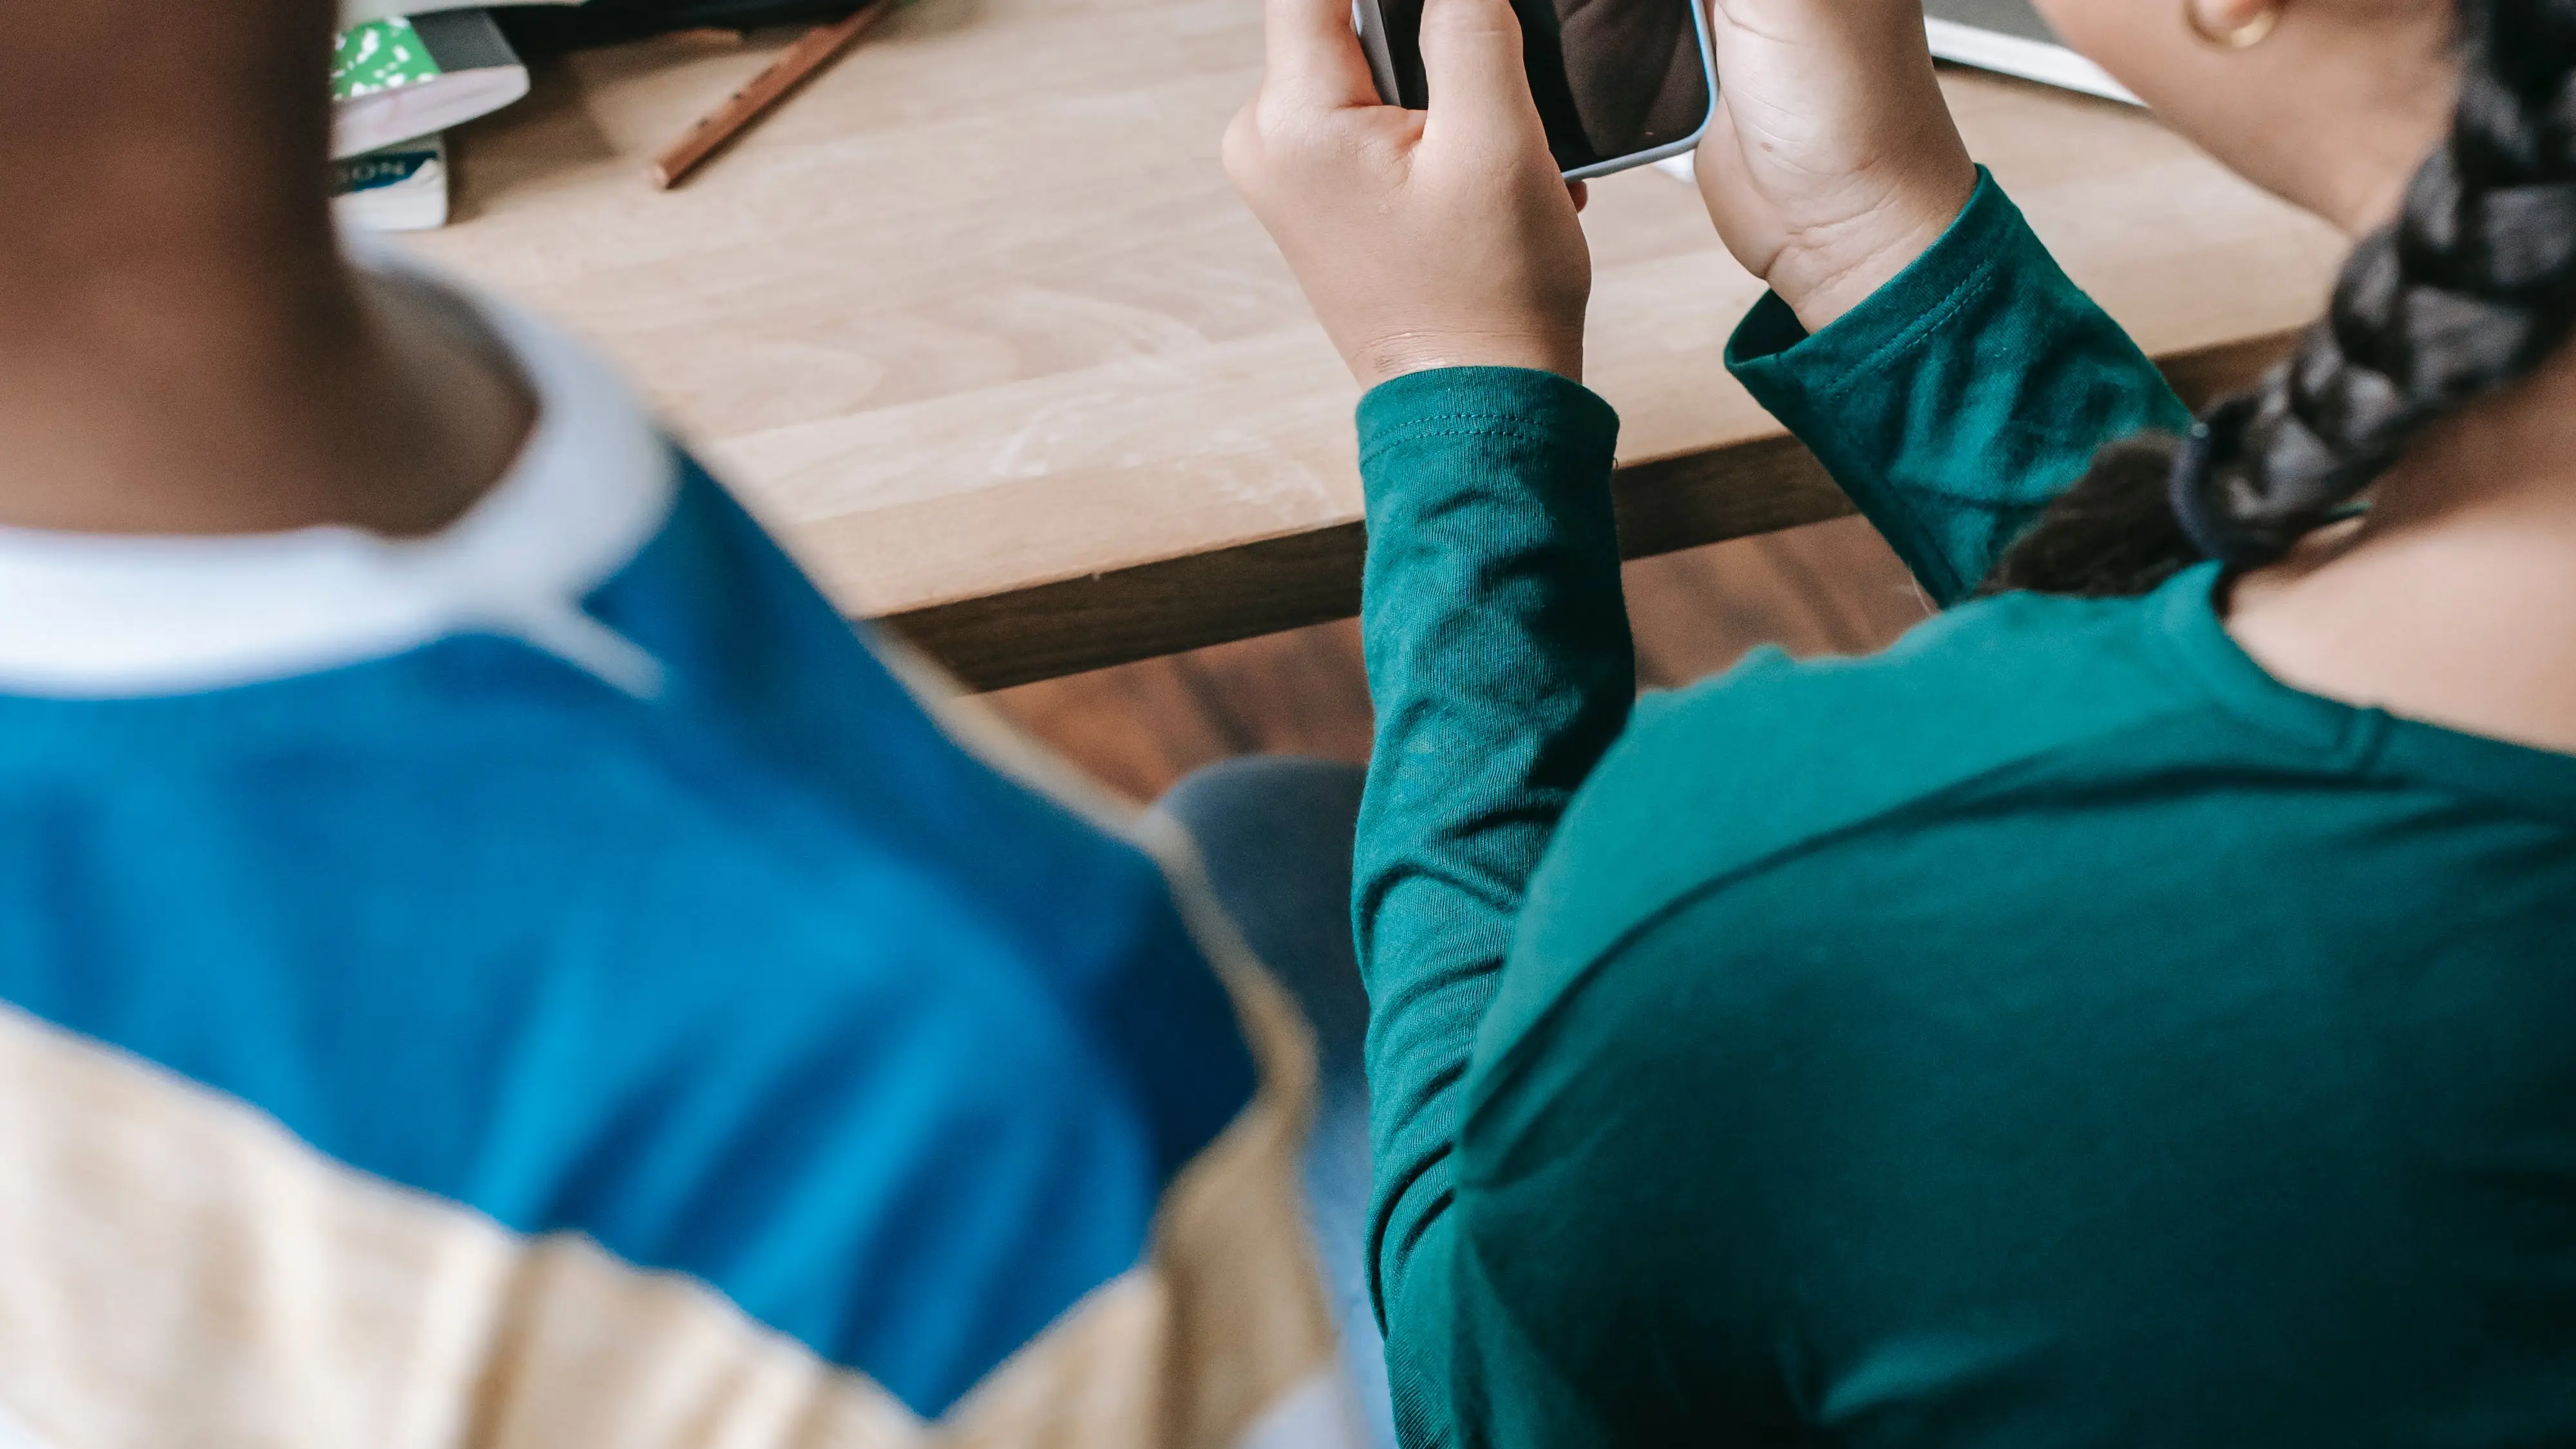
(1471,65)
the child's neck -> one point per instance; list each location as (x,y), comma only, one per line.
(238,384)
(181,348)
(2450,602)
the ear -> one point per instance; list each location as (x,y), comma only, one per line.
(2233,24)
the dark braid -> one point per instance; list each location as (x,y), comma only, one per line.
(2466,293)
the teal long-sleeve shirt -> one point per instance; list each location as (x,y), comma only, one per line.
(2051,1031)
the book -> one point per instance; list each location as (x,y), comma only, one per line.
(400,79)
(354,13)
(2009,37)
(401,188)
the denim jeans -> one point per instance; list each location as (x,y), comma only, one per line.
(1275,836)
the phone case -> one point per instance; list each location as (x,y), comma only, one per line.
(1375,19)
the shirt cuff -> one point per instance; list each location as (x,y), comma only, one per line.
(1554,429)
(1953,403)
(1775,356)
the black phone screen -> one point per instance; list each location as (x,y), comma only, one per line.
(1613,78)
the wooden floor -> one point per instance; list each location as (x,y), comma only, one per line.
(1833,588)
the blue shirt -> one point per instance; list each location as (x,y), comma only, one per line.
(581,866)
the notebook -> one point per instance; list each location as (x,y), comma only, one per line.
(354,13)
(2008,36)
(401,188)
(400,79)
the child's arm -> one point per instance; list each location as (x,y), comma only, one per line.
(1445,259)
(1499,659)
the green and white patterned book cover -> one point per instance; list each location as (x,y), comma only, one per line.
(382,55)
(393,80)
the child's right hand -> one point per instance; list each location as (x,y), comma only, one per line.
(1832,162)
(1424,239)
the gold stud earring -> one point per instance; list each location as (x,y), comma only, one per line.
(2244,37)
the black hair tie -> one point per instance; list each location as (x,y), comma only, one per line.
(2193,466)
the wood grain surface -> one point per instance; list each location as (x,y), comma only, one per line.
(977,326)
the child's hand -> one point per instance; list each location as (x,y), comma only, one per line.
(1832,162)
(1424,239)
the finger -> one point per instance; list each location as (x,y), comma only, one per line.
(1471,64)
(1582,194)
(1314,57)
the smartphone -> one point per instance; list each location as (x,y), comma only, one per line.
(1619,82)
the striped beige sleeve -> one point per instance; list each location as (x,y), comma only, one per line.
(175,1268)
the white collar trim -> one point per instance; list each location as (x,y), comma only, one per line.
(104,616)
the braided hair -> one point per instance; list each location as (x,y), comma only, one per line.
(2467,292)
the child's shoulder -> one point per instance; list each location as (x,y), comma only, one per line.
(1961,693)
(1778,752)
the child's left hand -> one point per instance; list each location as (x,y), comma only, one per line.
(1443,238)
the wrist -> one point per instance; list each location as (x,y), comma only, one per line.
(1401,354)
(1415,431)
(1831,268)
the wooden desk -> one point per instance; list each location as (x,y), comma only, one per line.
(978,326)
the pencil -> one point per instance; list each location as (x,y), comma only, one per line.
(794,66)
